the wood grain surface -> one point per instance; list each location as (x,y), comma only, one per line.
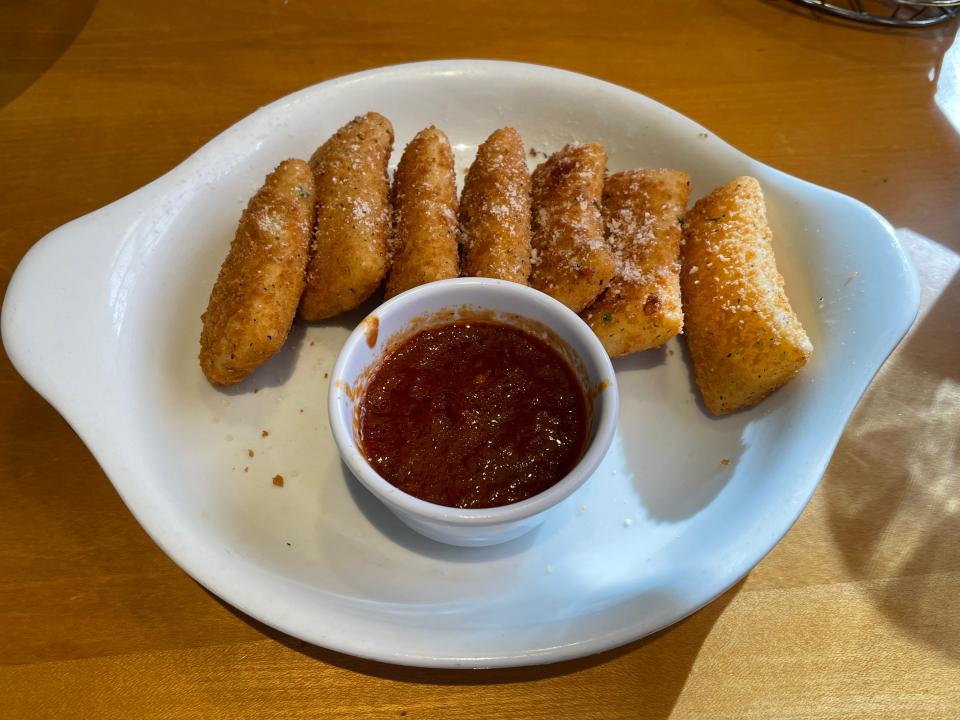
(855,614)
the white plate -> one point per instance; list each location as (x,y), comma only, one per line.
(103,317)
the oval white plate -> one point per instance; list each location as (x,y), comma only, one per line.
(103,317)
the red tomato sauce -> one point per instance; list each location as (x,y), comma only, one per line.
(473,415)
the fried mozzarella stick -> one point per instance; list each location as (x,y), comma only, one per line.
(255,297)
(571,260)
(641,216)
(495,210)
(744,337)
(350,256)
(425,207)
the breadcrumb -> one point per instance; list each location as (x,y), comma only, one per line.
(254,300)
(425,208)
(495,210)
(745,339)
(573,263)
(641,309)
(350,253)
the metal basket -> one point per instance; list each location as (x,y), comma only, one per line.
(890,13)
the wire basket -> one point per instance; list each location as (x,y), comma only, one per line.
(890,13)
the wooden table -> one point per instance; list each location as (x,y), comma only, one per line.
(855,614)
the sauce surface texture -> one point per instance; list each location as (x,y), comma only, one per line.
(473,415)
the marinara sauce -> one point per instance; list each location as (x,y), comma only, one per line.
(473,415)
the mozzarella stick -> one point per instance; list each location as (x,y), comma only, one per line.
(495,210)
(571,260)
(254,299)
(641,216)
(350,254)
(744,338)
(425,206)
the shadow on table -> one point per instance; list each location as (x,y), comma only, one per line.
(660,663)
(893,491)
(42,31)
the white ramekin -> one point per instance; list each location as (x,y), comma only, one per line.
(507,302)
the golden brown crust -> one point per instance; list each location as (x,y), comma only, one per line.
(571,260)
(641,212)
(255,297)
(350,254)
(495,210)
(744,338)
(425,206)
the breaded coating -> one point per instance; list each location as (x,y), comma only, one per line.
(350,253)
(425,220)
(254,299)
(571,260)
(744,338)
(641,217)
(495,210)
